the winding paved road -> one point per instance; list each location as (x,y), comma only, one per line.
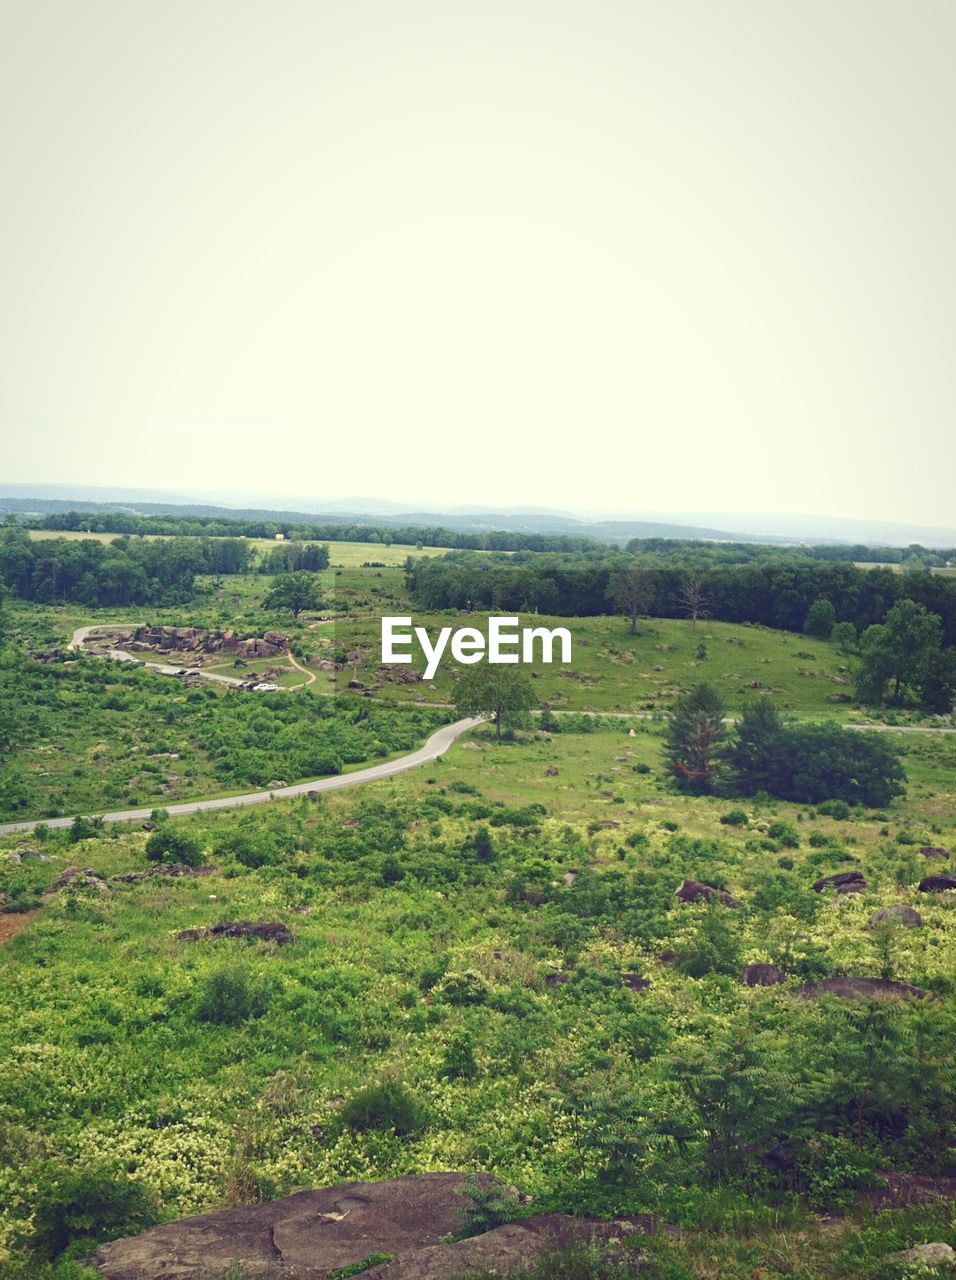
(436,746)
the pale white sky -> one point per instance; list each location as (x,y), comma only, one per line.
(592,253)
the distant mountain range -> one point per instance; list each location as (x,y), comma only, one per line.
(612,527)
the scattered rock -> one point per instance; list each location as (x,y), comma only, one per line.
(898,913)
(276,784)
(14,858)
(842,882)
(861,989)
(694,891)
(551,771)
(925,1253)
(277,933)
(934,851)
(78,878)
(937,884)
(762,975)
(635,981)
(33,855)
(556,979)
(170,869)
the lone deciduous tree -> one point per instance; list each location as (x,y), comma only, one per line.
(694,597)
(630,591)
(501,691)
(294,591)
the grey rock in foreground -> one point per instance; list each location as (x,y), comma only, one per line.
(926,1253)
(311,1234)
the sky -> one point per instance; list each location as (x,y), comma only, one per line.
(602,254)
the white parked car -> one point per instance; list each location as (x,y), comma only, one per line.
(264,688)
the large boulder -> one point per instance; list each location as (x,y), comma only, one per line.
(842,882)
(695,891)
(762,975)
(937,884)
(312,1234)
(934,851)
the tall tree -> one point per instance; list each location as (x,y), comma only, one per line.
(695,738)
(502,691)
(899,651)
(758,756)
(294,591)
(694,596)
(630,590)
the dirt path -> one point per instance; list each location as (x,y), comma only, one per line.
(310,674)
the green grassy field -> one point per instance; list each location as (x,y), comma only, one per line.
(343,555)
(612,670)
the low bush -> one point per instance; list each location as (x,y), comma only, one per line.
(386,1105)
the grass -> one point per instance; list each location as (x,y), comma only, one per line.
(612,670)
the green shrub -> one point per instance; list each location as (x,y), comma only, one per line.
(229,995)
(458,1060)
(735,818)
(786,833)
(468,987)
(98,1202)
(490,1206)
(85,828)
(386,1105)
(172,844)
(838,809)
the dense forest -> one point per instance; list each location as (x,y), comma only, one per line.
(124,571)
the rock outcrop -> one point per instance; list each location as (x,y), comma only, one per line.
(695,891)
(78,878)
(762,975)
(937,884)
(312,1234)
(194,640)
(280,934)
(842,882)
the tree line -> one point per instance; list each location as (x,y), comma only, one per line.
(778,592)
(121,522)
